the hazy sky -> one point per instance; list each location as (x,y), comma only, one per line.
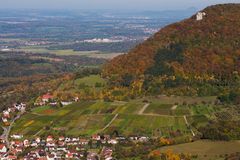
(111,4)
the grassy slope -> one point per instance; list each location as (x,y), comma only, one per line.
(75,85)
(90,80)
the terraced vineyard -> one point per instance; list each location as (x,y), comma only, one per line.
(159,118)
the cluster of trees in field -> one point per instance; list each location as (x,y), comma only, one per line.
(221,130)
(84,72)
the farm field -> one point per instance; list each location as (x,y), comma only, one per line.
(205,149)
(68,52)
(90,117)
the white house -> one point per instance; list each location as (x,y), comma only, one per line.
(50,144)
(66,103)
(38,139)
(67,139)
(112,141)
(26,143)
(20,107)
(200,16)
(143,139)
(6,114)
(49,139)
(4,120)
(16,136)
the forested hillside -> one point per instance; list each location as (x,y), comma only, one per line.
(186,53)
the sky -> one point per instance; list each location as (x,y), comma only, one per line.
(110,4)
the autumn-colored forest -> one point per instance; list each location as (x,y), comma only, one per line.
(212,45)
(197,57)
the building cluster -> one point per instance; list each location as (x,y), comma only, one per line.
(52,148)
(9,113)
(48,99)
(36,43)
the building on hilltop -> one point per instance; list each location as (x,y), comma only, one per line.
(200,16)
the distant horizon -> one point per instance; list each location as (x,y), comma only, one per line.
(93,10)
(125,5)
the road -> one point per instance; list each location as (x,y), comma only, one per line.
(6,132)
(143,108)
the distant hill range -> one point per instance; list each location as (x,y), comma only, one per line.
(205,47)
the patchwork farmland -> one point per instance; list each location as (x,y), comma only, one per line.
(91,117)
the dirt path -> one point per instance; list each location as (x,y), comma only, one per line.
(143,108)
(174,107)
(188,125)
(110,122)
(38,132)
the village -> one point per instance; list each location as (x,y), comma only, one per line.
(15,146)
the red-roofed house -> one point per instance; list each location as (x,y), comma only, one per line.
(69,155)
(96,137)
(11,157)
(47,97)
(3,148)
(49,139)
(61,138)
(6,114)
